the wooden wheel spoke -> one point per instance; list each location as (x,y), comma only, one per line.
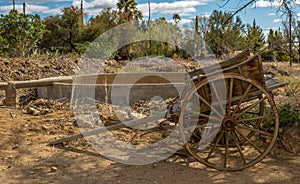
(214,146)
(249,141)
(230,92)
(246,109)
(237,137)
(211,134)
(194,134)
(203,115)
(226,148)
(236,142)
(255,130)
(218,97)
(210,106)
(243,98)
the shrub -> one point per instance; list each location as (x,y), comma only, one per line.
(288,115)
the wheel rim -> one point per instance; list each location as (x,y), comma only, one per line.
(245,134)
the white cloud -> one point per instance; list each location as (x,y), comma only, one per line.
(206,14)
(267,3)
(30,8)
(180,7)
(272,14)
(54,11)
(94,7)
(42,1)
(277,20)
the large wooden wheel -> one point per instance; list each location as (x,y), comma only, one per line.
(232,120)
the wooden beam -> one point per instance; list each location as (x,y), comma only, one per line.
(3,85)
(108,128)
(41,82)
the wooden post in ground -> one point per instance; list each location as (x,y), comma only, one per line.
(10,95)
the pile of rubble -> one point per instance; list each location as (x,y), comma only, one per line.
(42,106)
(18,69)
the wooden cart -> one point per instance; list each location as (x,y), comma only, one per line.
(228,118)
(232,113)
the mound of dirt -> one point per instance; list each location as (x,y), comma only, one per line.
(18,69)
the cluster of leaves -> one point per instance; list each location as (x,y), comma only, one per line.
(224,34)
(288,116)
(20,33)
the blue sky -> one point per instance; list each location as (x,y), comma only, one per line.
(263,11)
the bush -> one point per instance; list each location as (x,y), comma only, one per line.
(282,56)
(288,116)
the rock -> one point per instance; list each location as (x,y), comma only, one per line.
(122,115)
(44,128)
(53,169)
(32,111)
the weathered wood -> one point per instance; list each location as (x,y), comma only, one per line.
(223,65)
(108,128)
(10,95)
(129,78)
(42,82)
(3,85)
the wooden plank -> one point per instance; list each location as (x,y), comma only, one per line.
(227,63)
(42,82)
(108,128)
(3,85)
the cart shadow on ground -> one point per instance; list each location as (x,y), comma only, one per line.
(87,166)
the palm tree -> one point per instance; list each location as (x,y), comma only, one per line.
(176,18)
(128,9)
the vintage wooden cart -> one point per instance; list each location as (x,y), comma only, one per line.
(236,117)
(228,118)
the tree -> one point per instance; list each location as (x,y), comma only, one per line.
(255,36)
(64,31)
(50,39)
(128,10)
(224,34)
(176,18)
(287,9)
(22,32)
(69,27)
(201,28)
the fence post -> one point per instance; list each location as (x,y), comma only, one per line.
(10,95)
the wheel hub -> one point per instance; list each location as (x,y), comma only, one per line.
(228,123)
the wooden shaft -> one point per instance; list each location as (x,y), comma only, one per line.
(108,128)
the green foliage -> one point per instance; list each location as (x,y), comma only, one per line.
(282,56)
(3,45)
(224,34)
(128,11)
(255,37)
(64,31)
(82,47)
(106,20)
(288,116)
(21,32)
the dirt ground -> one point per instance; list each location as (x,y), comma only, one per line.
(25,157)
